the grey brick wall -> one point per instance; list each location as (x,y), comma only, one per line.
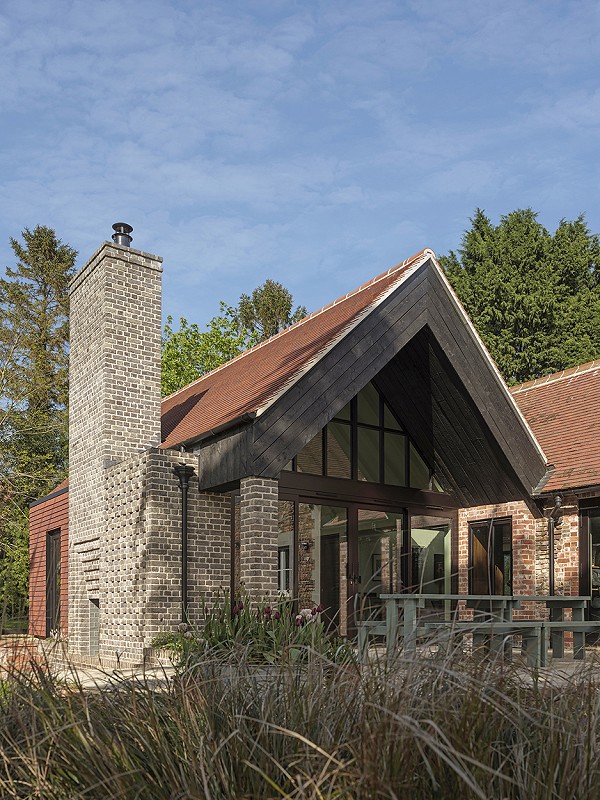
(141,552)
(258,536)
(114,409)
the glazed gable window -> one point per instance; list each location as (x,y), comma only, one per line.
(366,442)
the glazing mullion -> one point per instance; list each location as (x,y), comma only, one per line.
(354,439)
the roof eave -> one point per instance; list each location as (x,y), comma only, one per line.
(214,433)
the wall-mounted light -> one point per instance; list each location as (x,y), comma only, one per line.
(305,545)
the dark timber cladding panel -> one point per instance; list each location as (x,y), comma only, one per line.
(224,461)
(483,385)
(406,384)
(444,422)
(302,411)
(492,474)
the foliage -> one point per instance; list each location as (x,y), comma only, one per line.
(269,310)
(34,336)
(533,297)
(189,353)
(14,571)
(267,633)
(225,728)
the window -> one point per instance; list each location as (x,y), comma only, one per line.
(285,548)
(366,442)
(490,560)
(52,581)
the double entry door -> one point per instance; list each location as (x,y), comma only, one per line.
(348,554)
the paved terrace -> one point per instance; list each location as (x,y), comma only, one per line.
(21,652)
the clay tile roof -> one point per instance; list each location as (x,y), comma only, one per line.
(253,380)
(563,411)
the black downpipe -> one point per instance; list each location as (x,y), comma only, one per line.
(551,555)
(184,473)
(552,522)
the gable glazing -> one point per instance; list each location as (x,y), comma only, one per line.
(366,441)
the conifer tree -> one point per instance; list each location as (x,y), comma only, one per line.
(534,297)
(34,334)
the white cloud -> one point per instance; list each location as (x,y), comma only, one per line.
(322,141)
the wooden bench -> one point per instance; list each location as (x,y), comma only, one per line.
(370,627)
(495,636)
(557,630)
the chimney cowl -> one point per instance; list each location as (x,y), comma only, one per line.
(121,234)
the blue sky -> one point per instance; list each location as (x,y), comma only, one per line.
(316,143)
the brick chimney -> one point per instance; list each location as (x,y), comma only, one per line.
(114,411)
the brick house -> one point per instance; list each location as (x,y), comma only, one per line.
(557,549)
(371,446)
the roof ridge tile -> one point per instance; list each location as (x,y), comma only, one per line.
(554,377)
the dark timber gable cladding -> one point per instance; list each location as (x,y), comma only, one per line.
(416,342)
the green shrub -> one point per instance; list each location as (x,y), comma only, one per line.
(268,633)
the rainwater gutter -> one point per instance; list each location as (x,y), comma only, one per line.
(184,472)
(554,519)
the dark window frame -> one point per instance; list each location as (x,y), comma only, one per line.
(493,521)
(382,429)
(53,580)
(584,541)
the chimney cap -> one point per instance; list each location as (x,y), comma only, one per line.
(121,233)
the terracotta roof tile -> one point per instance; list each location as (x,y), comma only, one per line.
(563,411)
(250,382)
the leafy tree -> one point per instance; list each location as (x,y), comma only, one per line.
(189,352)
(268,310)
(34,334)
(534,297)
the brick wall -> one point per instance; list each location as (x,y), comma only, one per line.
(49,515)
(566,548)
(114,409)
(531,549)
(141,553)
(259,536)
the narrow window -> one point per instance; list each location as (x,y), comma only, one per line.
(52,582)
(490,562)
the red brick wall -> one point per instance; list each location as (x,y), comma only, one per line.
(50,515)
(526,534)
(530,549)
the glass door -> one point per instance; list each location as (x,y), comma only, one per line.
(322,538)
(347,557)
(373,566)
(431,558)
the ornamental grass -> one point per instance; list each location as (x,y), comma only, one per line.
(225,727)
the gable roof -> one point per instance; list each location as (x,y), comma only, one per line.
(252,381)
(254,413)
(563,410)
